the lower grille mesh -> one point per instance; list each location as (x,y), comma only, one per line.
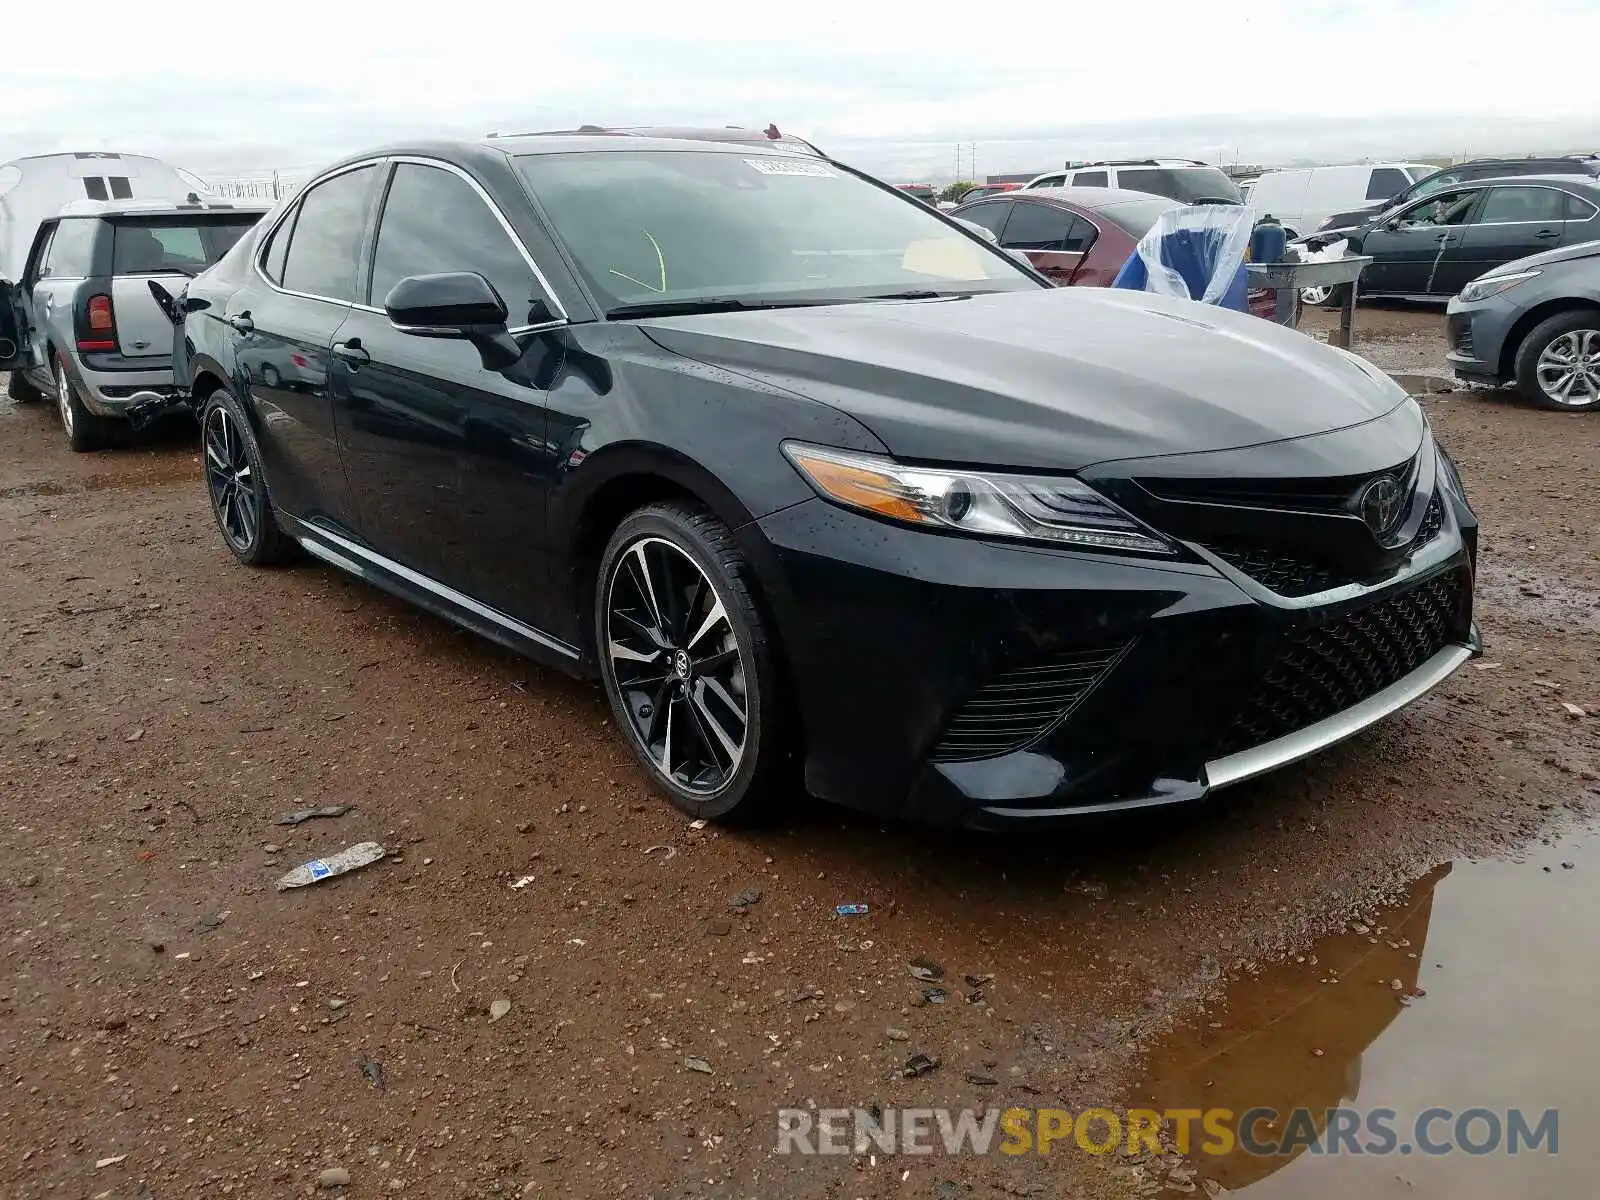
(1323,670)
(1016,707)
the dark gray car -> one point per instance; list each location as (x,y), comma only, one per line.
(1534,322)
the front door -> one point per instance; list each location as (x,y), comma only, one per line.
(448,457)
(1408,248)
(1516,220)
(14,340)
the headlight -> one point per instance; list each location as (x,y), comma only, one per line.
(1493,285)
(1447,468)
(1054,509)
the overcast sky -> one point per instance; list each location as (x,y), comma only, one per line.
(225,89)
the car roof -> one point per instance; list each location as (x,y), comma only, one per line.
(1096,197)
(1579,180)
(498,148)
(146,208)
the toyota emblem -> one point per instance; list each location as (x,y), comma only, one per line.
(1381,504)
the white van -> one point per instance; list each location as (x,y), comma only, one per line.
(1302,198)
(34,189)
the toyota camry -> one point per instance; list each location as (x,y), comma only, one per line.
(825,489)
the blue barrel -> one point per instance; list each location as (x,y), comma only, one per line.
(1268,242)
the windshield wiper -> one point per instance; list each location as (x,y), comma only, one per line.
(709,304)
(922,294)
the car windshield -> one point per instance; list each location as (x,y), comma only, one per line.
(1136,216)
(669,228)
(148,245)
(1192,185)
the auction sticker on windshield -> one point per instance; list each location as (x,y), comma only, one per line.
(778,166)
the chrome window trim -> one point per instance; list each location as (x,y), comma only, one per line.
(416,160)
(292,208)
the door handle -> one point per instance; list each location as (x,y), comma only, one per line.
(1444,238)
(352,352)
(242,322)
(1546,233)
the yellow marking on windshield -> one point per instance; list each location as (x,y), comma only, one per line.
(661,261)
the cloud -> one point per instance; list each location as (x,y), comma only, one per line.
(893,87)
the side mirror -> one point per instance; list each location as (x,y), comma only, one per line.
(461,305)
(1022,257)
(457,304)
(982,231)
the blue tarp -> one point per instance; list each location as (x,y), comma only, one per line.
(1194,252)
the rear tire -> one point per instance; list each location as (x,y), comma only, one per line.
(85,431)
(23,392)
(1568,337)
(690,664)
(236,485)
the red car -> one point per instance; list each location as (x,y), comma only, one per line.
(1079,237)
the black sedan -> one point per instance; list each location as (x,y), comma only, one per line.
(822,485)
(1430,249)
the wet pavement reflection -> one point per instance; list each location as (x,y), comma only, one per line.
(1475,990)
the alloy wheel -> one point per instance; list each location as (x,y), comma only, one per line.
(1568,369)
(675,659)
(1315,295)
(64,400)
(230,480)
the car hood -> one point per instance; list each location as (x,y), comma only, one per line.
(1054,379)
(1546,259)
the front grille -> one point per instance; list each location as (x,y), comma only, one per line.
(1017,707)
(1282,572)
(1325,669)
(1332,494)
(1293,575)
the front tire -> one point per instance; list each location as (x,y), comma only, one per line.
(237,486)
(84,430)
(1558,363)
(690,665)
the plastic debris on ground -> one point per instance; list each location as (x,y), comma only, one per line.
(300,815)
(851,910)
(352,858)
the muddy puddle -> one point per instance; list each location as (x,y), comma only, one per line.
(1475,991)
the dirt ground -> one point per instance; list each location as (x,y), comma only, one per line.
(164,1007)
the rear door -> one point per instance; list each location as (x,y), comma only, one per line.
(1515,220)
(311,262)
(169,249)
(448,458)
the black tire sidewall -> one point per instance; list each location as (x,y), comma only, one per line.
(677,524)
(1533,345)
(263,548)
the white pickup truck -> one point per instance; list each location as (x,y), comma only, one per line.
(90,329)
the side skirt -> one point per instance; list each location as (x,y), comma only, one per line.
(438,598)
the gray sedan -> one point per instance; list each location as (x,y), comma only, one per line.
(1534,322)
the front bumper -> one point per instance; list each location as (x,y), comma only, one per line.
(891,633)
(1475,334)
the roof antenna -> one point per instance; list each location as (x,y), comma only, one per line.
(772,132)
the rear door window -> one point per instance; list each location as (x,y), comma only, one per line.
(1515,205)
(1037,227)
(1089,179)
(324,252)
